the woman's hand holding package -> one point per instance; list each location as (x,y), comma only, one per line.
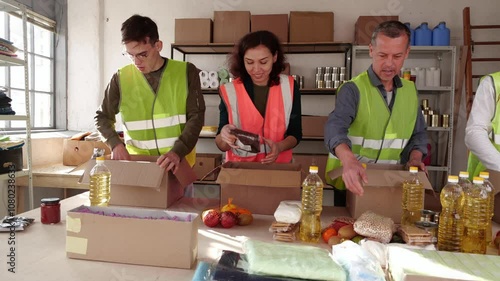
(227,137)
(273,154)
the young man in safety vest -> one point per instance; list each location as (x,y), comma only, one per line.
(481,133)
(160,101)
(377,117)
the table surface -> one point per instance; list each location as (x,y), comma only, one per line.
(41,255)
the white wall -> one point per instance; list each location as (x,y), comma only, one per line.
(94,48)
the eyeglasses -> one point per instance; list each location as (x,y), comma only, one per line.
(140,56)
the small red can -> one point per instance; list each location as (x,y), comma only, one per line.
(50,210)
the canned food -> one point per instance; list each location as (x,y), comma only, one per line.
(328,70)
(301,84)
(320,70)
(336,84)
(342,70)
(320,84)
(342,76)
(435,120)
(445,120)
(335,69)
(425,103)
(430,227)
(329,84)
(327,77)
(319,76)
(335,77)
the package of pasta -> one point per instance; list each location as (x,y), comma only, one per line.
(247,141)
(375,226)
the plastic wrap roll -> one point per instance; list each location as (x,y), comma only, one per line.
(213,76)
(214,84)
(223,73)
(205,84)
(203,75)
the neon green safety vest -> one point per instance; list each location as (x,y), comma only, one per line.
(153,122)
(376,134)
(474,166)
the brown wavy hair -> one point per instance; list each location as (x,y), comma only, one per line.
(252,40)
(140,29)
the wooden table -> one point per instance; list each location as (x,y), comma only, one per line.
(41,251)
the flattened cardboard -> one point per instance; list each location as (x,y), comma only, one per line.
(383,192)
(258,187)
(133,240)
(77,152)
(313,126)
(311,27)
(230,26)
(196,31)
(205,163)
(365,25)
(495,180)
(142,183)
(275,23)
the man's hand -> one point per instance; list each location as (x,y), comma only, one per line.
(227,137)
(416,160)
(273,155)
(354,176)
(120,152)
(169,161)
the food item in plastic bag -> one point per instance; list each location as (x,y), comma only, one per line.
(285,232)
(359,264)
(247,141)
(375,226)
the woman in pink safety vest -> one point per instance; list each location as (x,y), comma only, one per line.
(260,100)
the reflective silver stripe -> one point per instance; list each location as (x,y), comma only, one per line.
(373,144)
(242,153)
(151,144)
(233,101)
(286,93)
(364,159)
(158,123)
(497,139)
(356,140)
(395,143)
(387,161)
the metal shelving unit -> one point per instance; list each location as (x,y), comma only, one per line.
(10,6)
(442,97)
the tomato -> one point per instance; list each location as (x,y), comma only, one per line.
(327,233)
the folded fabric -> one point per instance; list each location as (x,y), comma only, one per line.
(297,261)
(288,212)
(7,111)
(11,144)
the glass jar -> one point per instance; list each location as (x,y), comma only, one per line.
(50,210)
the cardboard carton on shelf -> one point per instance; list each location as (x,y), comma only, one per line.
(133,236)
(230,26)
(259,187)
(142,183)
(365,25)
(311,27)
(275,23)
(383,192)
(193,31)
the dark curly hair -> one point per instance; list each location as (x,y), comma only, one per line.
(252,40)
(139,28)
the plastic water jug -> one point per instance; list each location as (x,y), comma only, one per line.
(412,34)
(441,35)
(423,35)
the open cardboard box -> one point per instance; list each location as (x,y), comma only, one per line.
(77,152)
(383,192)
(259,187)
(495,180)
(135,236)
(142,183)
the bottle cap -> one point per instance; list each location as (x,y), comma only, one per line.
(478,180)
(463,174)
(413,169)
(453,179)
(364,165)
(50,201)
(313,169)
(100,158)
(484,175)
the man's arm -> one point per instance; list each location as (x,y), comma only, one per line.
(105,117)
(195,115)
(416,149)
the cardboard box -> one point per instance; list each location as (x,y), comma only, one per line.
(365,25)
(258,187)
(276,23)
(142,183)
(495,180)
(383,192)
(77,152)
(139,237)
(206,163)
(306,160)
(230,26)
(196,31)
(311,27)
(11,160)
(313,126)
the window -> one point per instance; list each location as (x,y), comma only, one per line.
(40,47)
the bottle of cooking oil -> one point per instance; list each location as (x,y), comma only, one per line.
(451,224)
(491,198)
(100,183)
(476,214)
(463,180)
(312,205)
(413,198)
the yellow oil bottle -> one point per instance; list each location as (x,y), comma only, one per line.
(451,223)
(312,205)
(100,184)
(413,198)
(476,215)
(491,198)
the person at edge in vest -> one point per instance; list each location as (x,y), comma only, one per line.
(377,117)
(481,136)
(260,100)
(160,101)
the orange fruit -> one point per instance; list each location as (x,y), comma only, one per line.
(327,233)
